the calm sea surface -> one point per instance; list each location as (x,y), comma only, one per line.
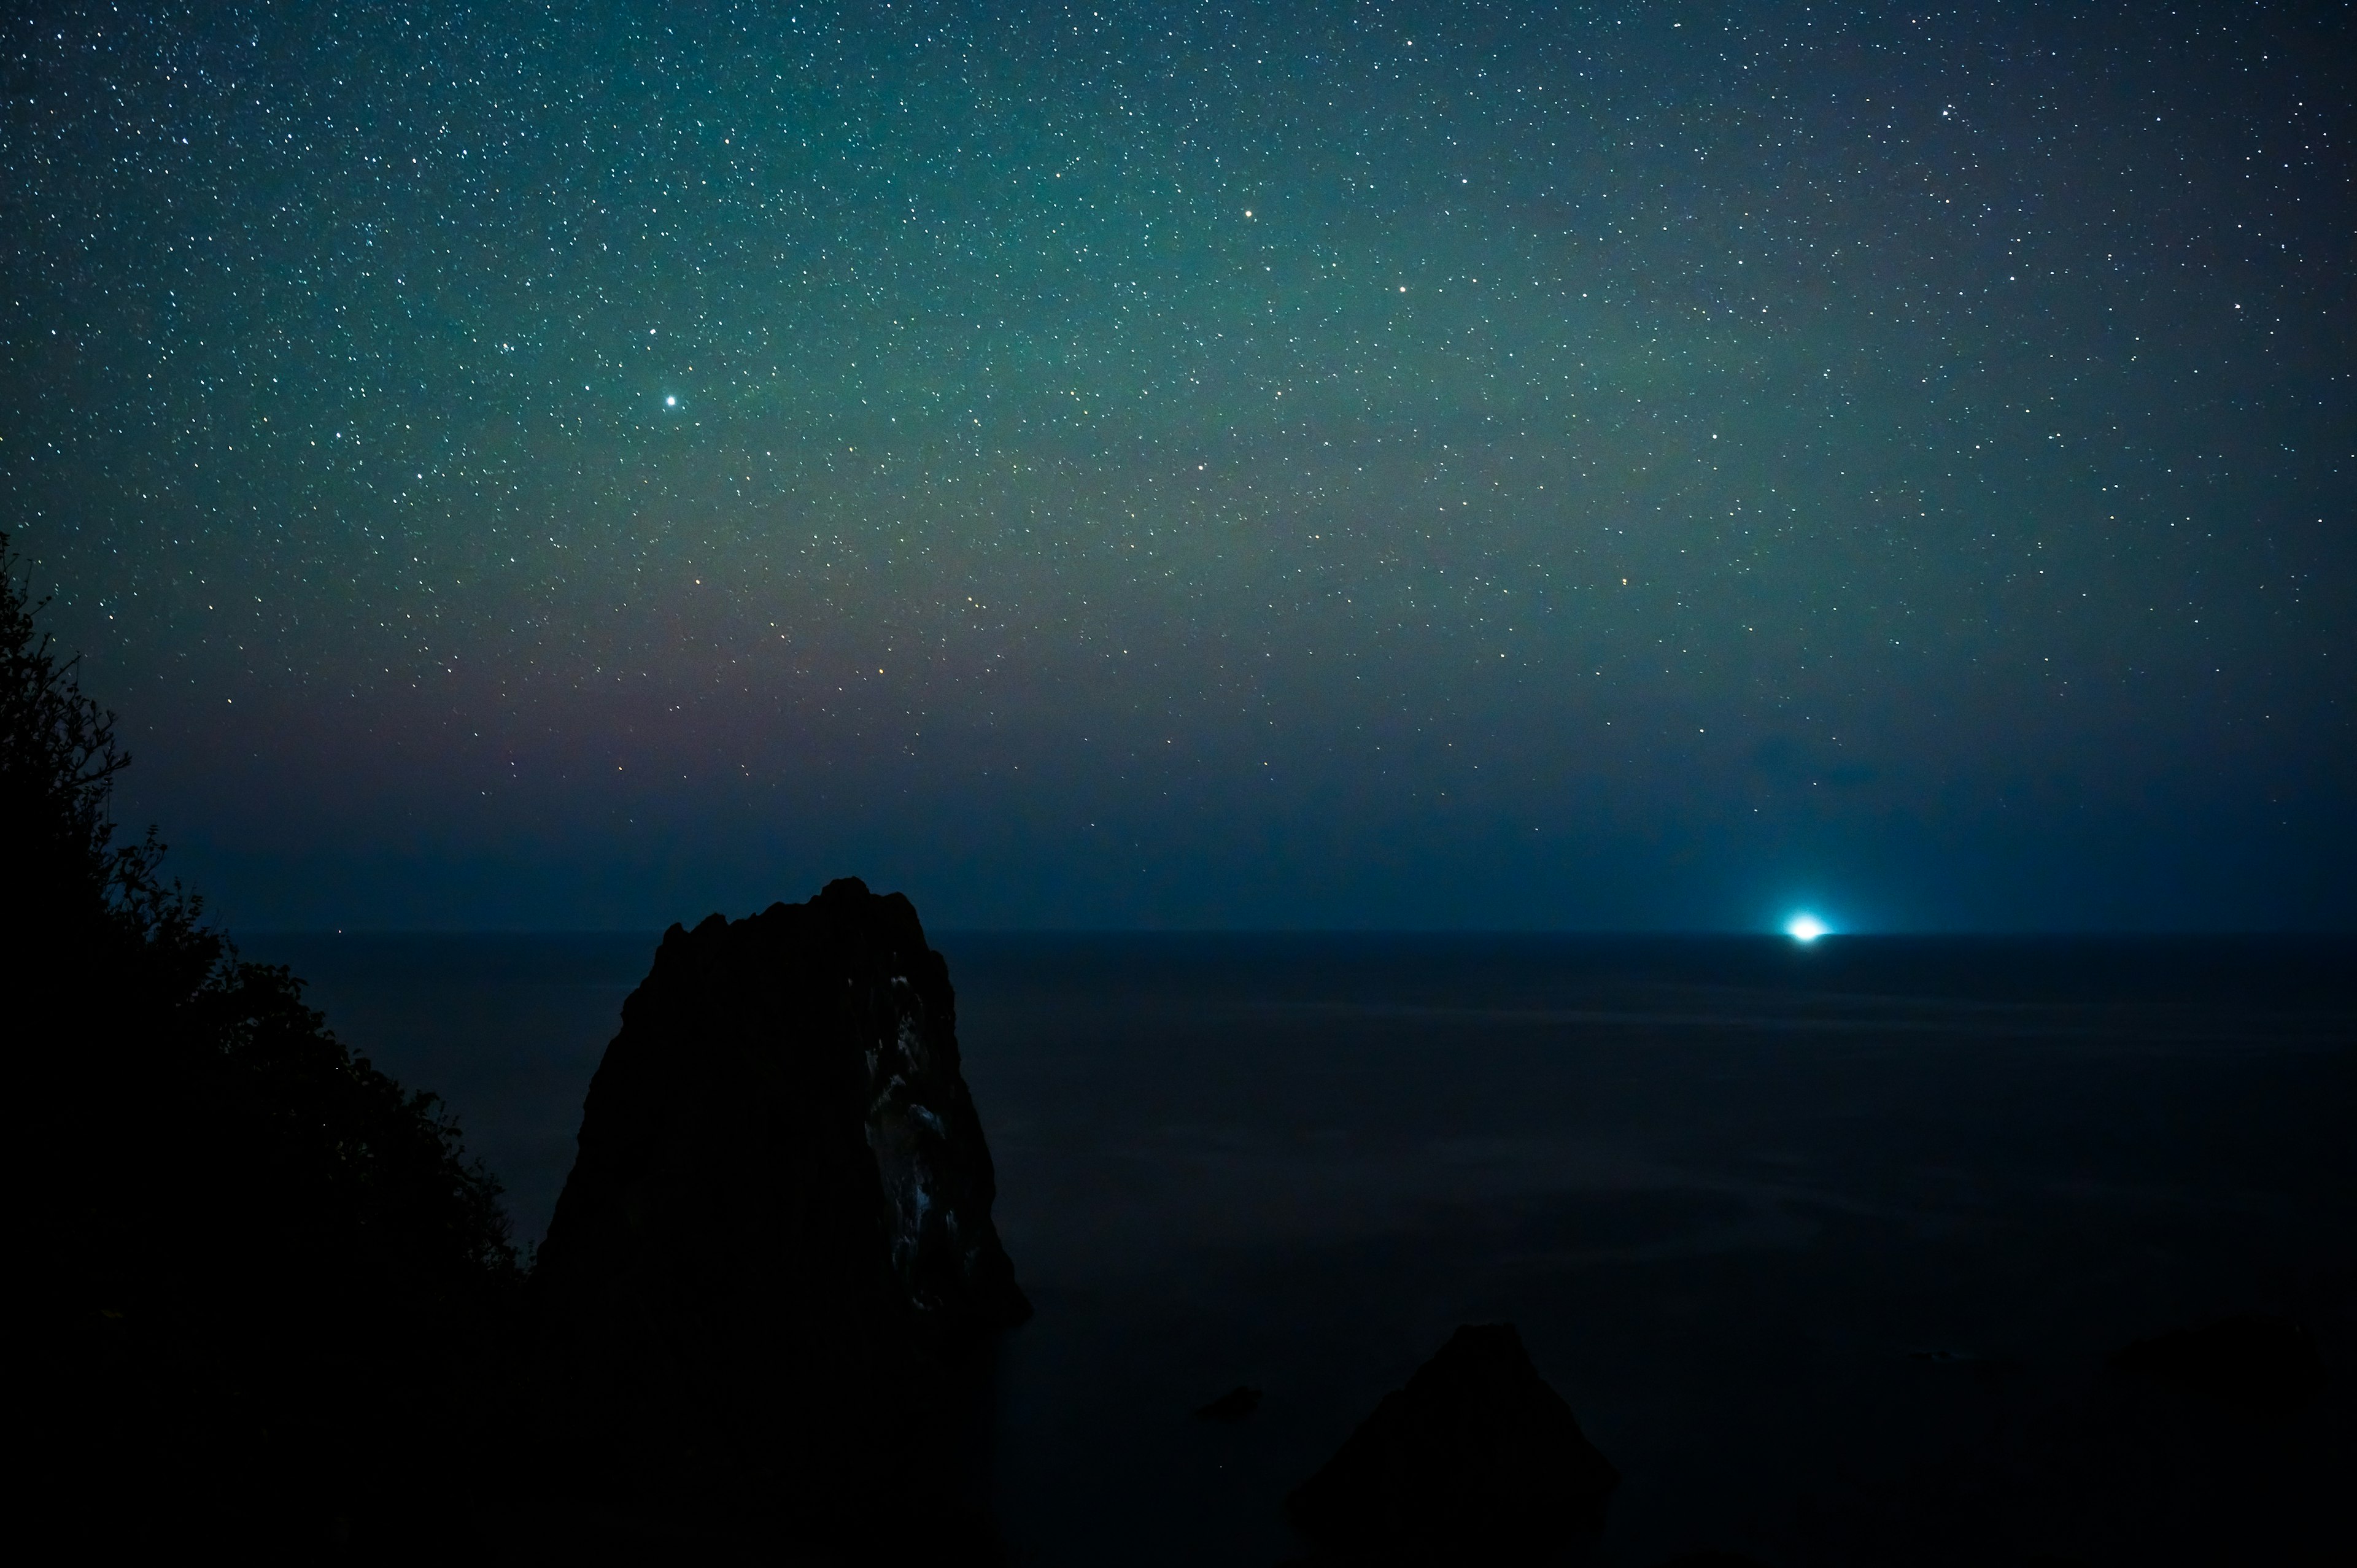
(1826,1246)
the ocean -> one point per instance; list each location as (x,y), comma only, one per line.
(1828,1246)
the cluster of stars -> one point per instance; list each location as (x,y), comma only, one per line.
(1579,422)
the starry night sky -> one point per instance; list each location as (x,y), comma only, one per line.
(1247,464)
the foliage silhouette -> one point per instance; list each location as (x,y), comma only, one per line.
(272,1281)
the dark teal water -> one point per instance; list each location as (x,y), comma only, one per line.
(1825,1246)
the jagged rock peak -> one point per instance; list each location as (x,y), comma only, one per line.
(777,1234)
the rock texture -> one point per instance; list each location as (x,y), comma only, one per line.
(1475,1460)
(773,1262)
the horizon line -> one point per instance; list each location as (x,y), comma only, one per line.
(1762,932)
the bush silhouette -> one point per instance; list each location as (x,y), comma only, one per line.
(272,1286)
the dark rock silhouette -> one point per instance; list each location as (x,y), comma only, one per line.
(1476,1459)
(1232,1406)
(266,1285)
(770,1270)
(2252,1363)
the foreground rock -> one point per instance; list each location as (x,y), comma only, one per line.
(1477,1459)
(764,1288)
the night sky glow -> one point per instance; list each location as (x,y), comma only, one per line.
(1330,465)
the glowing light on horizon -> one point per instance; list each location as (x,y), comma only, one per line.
(1805,928)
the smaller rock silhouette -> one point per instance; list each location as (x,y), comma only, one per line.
(1232,1406)
(2252,1363)
(1475,1459)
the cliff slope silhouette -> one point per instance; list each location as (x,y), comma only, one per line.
(267,1283)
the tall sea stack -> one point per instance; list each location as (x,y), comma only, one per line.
(762,1293)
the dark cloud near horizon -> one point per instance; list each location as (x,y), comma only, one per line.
(1305,465)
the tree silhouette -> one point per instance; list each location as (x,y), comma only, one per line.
(272,1281)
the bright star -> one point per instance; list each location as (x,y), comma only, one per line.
(1804,928)
(671,402)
